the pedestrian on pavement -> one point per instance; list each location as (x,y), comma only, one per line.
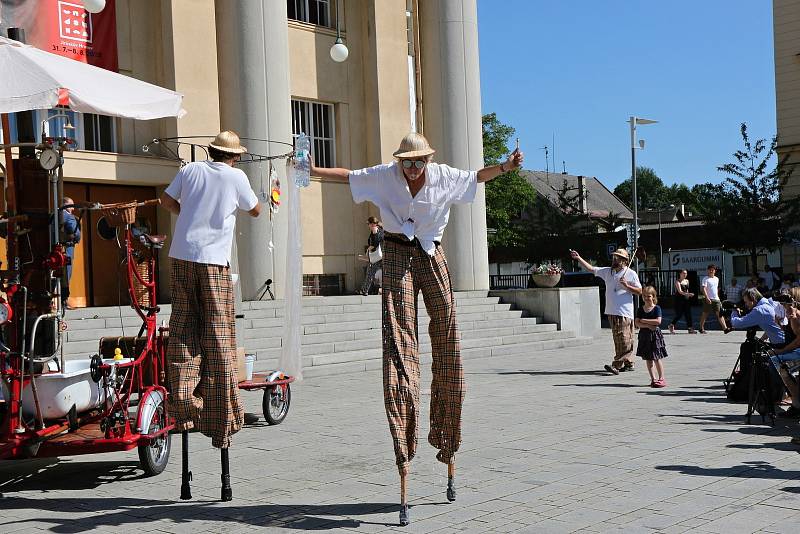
(711,301)
(72,232)
(201,354)
(683,303)
(770,278)
(374,252)
(733,292)
(651,347)
(414,196)
(621,284)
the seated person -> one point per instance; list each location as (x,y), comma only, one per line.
(791,352)
(761,315)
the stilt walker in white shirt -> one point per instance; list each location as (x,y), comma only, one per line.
(414,196)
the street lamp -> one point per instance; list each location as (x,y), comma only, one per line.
(339,51)
(633,121)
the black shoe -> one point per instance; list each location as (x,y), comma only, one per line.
(627,367)
(250,418)
(451,490)
(404,517)
(611,369)
(791,413)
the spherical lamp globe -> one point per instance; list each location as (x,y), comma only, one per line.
(339,51)
(94,6)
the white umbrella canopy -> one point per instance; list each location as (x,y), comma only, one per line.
(34,79)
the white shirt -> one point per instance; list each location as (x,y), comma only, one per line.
(618,300)
(769,278)
(712,287)
(423,216)
(210,192)
(734,293)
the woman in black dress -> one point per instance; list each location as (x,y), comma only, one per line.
(374,242)
(683,305)
(651,347)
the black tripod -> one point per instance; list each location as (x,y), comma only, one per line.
(761,396)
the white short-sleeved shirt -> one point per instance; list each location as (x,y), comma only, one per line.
(712,287)
(210,193)
(619,301)
(423,216)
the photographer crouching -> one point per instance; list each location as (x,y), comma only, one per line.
(761,315)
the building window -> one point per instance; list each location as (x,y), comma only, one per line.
(316,121)
(742,265)
(91,132)
(312,11)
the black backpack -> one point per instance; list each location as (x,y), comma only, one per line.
(738,384)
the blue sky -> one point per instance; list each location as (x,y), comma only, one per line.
(580,68)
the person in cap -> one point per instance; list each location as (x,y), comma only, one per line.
(201,355)
(414,196)
(621,284)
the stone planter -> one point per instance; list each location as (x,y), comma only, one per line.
(546,280)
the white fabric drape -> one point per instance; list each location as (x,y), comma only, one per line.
(291,360)
(32,79)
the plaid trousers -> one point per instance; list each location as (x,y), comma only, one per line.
(622,332)
(407,271)
(201,353)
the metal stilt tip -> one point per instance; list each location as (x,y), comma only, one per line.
(405,518)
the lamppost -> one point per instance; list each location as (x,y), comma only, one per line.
(633,121)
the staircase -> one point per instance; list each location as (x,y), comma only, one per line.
(343,334)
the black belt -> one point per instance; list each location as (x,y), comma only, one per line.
(401,239)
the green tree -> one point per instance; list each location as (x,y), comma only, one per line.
(650,189)
(509,196)
(557,225)
(747,210)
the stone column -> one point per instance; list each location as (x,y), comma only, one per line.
(253,64)
(451,105)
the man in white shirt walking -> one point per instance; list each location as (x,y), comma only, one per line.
(709,286)
(201,355)
(621,284)
(414,196)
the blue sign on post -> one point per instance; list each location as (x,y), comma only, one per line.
(610,248)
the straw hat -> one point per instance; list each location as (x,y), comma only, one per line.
(413,145)
(622,253)
(228,141)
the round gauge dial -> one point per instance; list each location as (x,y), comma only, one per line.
(5,312)
(49,159)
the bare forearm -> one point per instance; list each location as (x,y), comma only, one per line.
(333,174)
(492,172)
(170,204)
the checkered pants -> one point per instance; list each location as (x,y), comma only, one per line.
(622,332)
(201,354)
(407,271)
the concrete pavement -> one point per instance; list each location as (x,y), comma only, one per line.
(551,444)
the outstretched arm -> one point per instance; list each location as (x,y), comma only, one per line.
(334,174)
(514,161)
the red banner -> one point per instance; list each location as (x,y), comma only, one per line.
(65,28)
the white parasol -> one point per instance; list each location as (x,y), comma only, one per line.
(35,79)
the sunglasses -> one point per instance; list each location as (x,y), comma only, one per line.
(407,163)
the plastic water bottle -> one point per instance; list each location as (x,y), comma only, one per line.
(302,174)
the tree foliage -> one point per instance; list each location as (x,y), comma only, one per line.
(654,194)
(508,196)
(750,196)
(557,224)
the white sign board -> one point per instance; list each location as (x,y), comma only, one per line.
(695,260)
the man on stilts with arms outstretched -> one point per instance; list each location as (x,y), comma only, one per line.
(414,196)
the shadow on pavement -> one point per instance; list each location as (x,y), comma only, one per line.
(599,372)
(47,474)
(120,511)
(746,470)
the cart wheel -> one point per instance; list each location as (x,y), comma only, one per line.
(154,457)
(276,403)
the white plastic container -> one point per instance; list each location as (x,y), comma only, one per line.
(59,391)
(249,363)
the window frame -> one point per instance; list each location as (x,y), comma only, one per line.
(302,10)
(310,117)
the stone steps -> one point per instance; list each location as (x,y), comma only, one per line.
(343,334)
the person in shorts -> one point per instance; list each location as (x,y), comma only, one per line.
(709,287)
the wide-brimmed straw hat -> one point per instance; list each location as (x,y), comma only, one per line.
(413,145)
(622,253)
(228,141)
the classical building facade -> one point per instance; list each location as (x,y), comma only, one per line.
(263,68)
(786,25)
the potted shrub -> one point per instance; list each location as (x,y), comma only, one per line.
(547,274)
